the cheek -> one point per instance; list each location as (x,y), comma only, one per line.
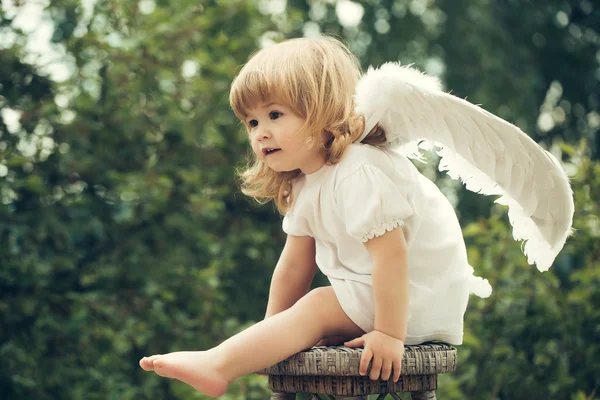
(294,140)
(254,146)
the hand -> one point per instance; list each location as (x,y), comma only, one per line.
(385,351)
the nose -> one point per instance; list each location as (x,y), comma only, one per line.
(263,134)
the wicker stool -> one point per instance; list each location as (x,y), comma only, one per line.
(333,371)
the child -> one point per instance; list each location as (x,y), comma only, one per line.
(385,236)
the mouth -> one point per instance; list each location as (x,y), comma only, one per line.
(266,151)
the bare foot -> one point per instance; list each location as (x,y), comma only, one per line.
(192,367)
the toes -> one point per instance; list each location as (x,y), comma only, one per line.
(147,363)
(159,362)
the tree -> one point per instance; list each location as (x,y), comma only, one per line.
(124,232)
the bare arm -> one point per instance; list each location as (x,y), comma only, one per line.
(390,282)
(293,274)
(384,346)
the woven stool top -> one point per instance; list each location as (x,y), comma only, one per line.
(424,359)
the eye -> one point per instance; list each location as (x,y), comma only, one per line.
(253,123)
(274,114)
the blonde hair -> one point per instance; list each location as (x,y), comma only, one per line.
(316,78)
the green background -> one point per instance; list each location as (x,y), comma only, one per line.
(123,231)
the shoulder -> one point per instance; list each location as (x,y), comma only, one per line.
(363,165)
(360,155)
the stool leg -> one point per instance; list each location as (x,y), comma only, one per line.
(426,395)
(283,396)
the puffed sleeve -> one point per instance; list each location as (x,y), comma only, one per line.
(295,222)
(370,203)
(294,225)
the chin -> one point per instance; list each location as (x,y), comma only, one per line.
(281,168)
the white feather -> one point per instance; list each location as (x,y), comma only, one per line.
(489,155)
(479,287)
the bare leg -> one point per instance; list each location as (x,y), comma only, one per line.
(316,315)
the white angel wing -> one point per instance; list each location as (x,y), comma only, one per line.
(488,154)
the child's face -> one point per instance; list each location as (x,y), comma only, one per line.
(276,127)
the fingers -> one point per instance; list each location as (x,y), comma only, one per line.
(376,368)
(383,362)
(358,342)
(386,370)
(365,359)
(397,365)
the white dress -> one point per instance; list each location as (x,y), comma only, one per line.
(369,192)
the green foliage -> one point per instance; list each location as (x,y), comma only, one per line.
(123,232)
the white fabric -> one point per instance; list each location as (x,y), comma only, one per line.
(368,193)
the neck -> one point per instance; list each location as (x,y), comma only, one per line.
(313,166)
